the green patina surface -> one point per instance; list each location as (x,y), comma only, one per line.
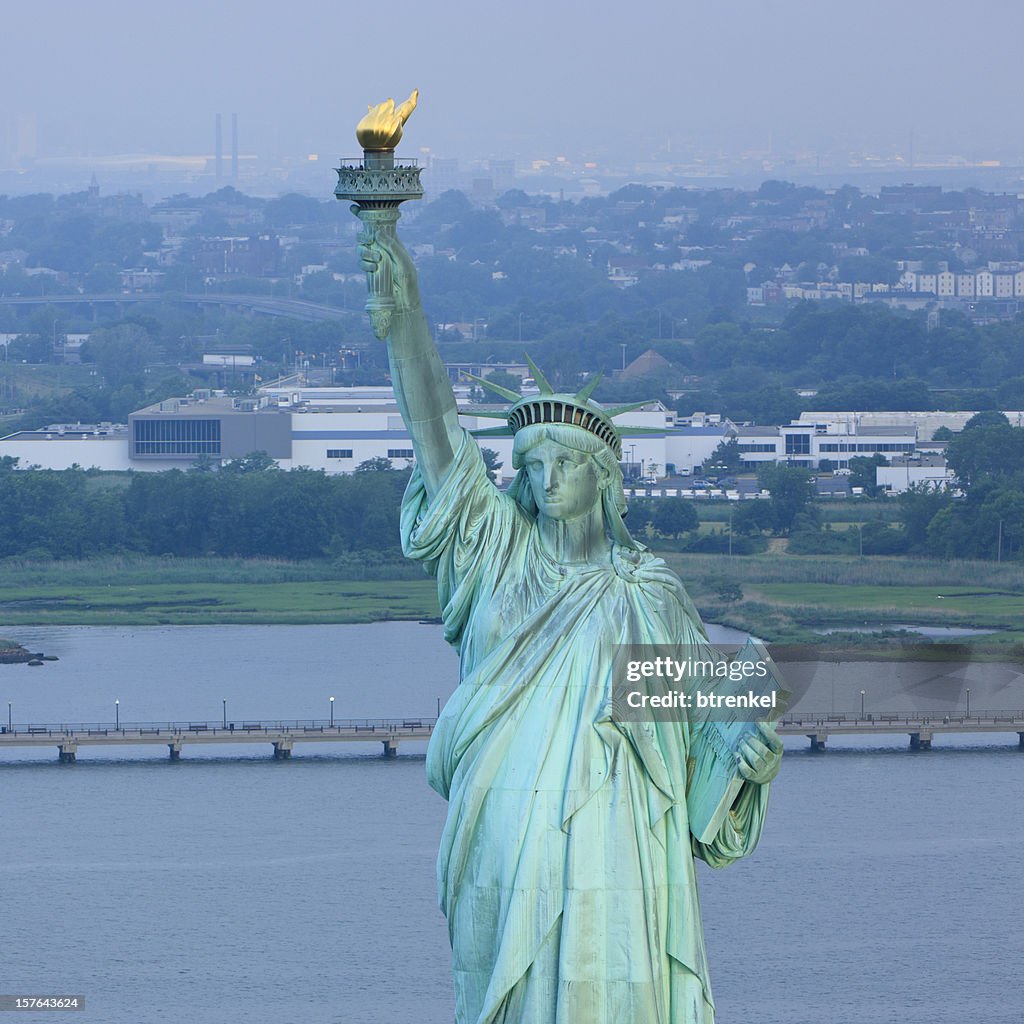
(566,868)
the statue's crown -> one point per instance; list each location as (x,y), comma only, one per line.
(571,410)
(574,410)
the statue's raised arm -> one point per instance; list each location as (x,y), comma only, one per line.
(421,384)
(378,184)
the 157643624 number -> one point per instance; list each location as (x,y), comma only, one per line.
(42,1002)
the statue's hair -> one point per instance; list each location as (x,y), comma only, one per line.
(613,502)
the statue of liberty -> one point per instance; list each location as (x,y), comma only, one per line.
(566,869)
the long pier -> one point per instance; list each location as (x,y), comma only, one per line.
(283,735)
(920,728)
(389,732)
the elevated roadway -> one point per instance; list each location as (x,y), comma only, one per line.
(261,305)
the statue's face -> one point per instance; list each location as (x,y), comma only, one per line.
(566,484)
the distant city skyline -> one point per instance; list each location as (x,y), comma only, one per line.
(617,86)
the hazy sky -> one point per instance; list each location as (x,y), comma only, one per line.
(517,77)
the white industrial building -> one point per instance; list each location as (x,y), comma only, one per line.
(336,429)
(808,443)
(915,470)
(330,429)
(926,422)
(64,446)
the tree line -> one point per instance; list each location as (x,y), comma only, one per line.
(245,510)
(982,517)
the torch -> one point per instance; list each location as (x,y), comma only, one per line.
(376,185)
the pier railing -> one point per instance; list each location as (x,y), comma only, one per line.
(283,734)
(220,725)
(826,718)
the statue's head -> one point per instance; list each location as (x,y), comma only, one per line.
(565,472)
(567,451)
(567,468)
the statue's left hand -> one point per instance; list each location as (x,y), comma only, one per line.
(377,246)
(760,757)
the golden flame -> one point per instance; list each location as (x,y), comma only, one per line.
(381,128)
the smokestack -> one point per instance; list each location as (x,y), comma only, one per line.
(219,151)
(234,147)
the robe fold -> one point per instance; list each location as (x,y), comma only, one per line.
(566,869)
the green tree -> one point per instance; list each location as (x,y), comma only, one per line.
(987,418)
(988,449)
(254,462)
(752,517)
(122,353)
(378,464)
(30,348)
(878,538)
(726,458)
(919,505)
(492,462)
(791,492)
(673,516)
(862,471)
(103,279)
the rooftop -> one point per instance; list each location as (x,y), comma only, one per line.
(757,431)
(77,432)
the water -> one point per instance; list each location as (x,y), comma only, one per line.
(230,887)
(933,632)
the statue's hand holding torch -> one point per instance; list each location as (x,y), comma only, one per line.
(390,273)
(377,185)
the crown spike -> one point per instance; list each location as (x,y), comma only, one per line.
(508,393)
(618,410)
(588,389)
(539,379)
(492,432)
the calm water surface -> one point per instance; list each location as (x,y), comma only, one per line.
(236,888)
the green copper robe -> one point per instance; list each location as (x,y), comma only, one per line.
(566,868)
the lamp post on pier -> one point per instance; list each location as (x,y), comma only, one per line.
(9,717)
(224,705)
(117,714)
(862,703)
(332,712)
(968,702)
